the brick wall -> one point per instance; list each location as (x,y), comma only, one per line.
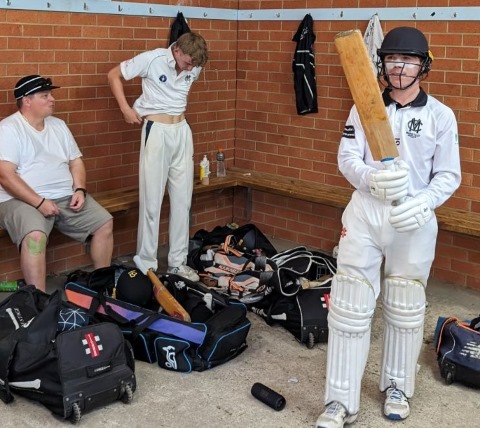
(243,102)
(271,137)
(77,50)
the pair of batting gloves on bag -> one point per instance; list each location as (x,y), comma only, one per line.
(408,213)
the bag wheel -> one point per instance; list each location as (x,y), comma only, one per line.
(128,394)
(76,413)
(449,378)
(310,341)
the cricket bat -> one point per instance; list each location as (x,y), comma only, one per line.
(366,94)
(164,297)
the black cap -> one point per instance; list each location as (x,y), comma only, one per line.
(32,84)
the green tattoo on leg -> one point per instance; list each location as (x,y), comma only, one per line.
(37,247)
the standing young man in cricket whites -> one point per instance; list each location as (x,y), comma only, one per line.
(378,227)
(166,152)
(43,183)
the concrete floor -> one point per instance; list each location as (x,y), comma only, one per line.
(221,396)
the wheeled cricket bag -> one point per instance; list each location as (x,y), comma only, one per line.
(299,293)
(51,353)
(217,333)
(458,350)
(304,315)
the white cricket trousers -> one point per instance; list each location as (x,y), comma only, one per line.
(368,239)
(166,161)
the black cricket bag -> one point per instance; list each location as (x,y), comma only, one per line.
(50,353)
(247,239)
(458,350)
(304,315)
(234,261)
(298,294)
(216,334)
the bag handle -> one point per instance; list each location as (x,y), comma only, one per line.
(475,324)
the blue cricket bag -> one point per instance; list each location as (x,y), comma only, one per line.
(458,350)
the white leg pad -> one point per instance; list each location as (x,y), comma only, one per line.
(404,314)
(352,303)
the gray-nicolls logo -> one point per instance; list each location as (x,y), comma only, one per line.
(92,345)
(170,356)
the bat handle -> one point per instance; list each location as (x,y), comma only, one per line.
(389,163)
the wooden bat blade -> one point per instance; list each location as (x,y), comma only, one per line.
(164,297)
(366,94)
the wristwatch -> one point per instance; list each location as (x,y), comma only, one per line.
(81,189)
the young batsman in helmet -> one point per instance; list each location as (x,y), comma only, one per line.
(378,230)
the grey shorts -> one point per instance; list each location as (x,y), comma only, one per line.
(19,219)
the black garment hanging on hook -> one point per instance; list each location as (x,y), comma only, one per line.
(303,67)
(179,27)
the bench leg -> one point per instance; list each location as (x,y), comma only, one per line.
(242,203)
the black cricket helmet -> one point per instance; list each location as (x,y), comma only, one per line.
(408,41)
(134,287)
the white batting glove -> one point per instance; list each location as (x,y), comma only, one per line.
(410,215)
(388,185)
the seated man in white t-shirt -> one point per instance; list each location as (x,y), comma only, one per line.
(43,183)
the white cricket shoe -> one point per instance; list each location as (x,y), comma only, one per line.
(335,416)
(185,271)
(396,405)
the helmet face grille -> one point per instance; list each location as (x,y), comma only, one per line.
(406,40)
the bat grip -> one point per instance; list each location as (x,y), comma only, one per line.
(389,163)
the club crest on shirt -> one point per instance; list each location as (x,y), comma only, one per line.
(414,128)
(163,78)
(188,79)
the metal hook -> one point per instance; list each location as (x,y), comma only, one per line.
(85,7)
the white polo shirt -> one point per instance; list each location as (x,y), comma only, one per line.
(163,91)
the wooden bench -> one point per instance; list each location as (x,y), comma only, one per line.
(119,200)
(449,219)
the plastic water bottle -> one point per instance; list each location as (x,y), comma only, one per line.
(221,170)
(11,286)
(204,170)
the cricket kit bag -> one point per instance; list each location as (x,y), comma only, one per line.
(458,350)
(51,353)
(298,294)
(236,262)
(216,334)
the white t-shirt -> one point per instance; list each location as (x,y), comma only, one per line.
(163,91)
(42,157)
